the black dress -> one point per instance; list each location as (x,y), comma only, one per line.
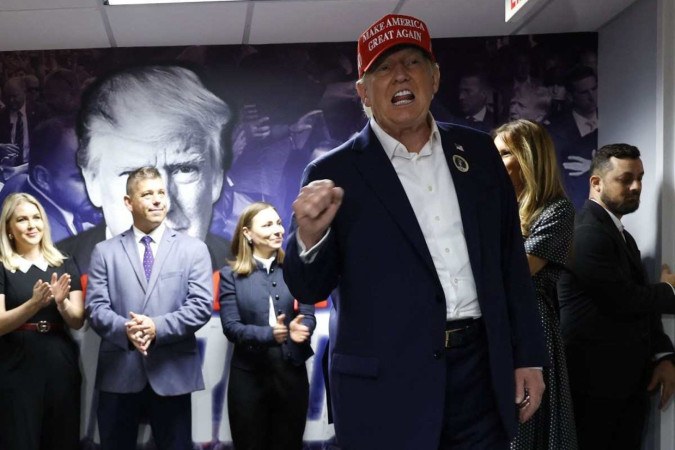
(39,372)
(552,426)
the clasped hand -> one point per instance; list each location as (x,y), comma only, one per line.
(141,332)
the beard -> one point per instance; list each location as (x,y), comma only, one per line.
(623,206)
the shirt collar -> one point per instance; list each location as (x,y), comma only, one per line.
(480,115)
(585,125)
(155,234)
(24,264)
(266,262)
(393,148)
(616,220)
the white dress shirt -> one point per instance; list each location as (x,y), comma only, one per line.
(426,179)
(156,236)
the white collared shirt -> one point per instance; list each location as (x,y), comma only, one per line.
(426,179)
(25,265)
(156,236)
(267,263)
(584,124)
(478,117)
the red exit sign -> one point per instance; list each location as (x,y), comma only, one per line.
(512,7)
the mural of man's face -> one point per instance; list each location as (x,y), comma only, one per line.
(192,181)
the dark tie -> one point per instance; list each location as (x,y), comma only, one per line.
(18,134)
(148,259)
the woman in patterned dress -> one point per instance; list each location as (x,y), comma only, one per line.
(547,224)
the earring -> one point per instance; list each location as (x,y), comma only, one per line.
(11,236)
(250,241)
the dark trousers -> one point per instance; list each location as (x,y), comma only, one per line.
(471,420)
(610,423)
(119,416)
(39,392)
(268,406)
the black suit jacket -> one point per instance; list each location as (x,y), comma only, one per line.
(610,313)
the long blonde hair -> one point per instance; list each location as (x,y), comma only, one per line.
(8,254)
(533,148)
(244,264)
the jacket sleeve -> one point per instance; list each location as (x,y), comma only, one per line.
(107,323)
(311,282)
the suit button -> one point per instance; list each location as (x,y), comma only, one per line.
(437,355)
(272,270)
(276,297)
(274,283)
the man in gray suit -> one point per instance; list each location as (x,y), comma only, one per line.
(149,291)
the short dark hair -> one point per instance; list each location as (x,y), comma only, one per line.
(46,140)
(601,161)
(578,73)
(142,173)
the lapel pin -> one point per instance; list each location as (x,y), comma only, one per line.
(461,163)
(459,147)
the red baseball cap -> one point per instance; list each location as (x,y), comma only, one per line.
(391,30)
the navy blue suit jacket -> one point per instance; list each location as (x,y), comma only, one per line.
(244,314)
(387,365)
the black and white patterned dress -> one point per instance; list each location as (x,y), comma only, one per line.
(552,426)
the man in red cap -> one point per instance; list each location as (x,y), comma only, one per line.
(435,333)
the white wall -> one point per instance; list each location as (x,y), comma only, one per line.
(635,99)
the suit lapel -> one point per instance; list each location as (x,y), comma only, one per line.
(635,258)
(131,249)
(628,244)
(379,174)
(163,250)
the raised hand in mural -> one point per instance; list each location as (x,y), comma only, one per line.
(578,165)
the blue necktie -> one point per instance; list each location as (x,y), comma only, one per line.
(148,258)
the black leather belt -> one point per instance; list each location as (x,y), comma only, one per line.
(459,333)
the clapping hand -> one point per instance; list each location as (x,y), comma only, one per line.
(299,332)
(60,288)
(42,294)
(280,330)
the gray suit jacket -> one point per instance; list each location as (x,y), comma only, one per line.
(178,298)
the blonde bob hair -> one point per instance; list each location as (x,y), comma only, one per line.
(244,264)
(533,148)
(9,255)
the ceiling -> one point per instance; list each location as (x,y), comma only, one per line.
(69,24)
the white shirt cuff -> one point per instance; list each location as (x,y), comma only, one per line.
(308,256)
